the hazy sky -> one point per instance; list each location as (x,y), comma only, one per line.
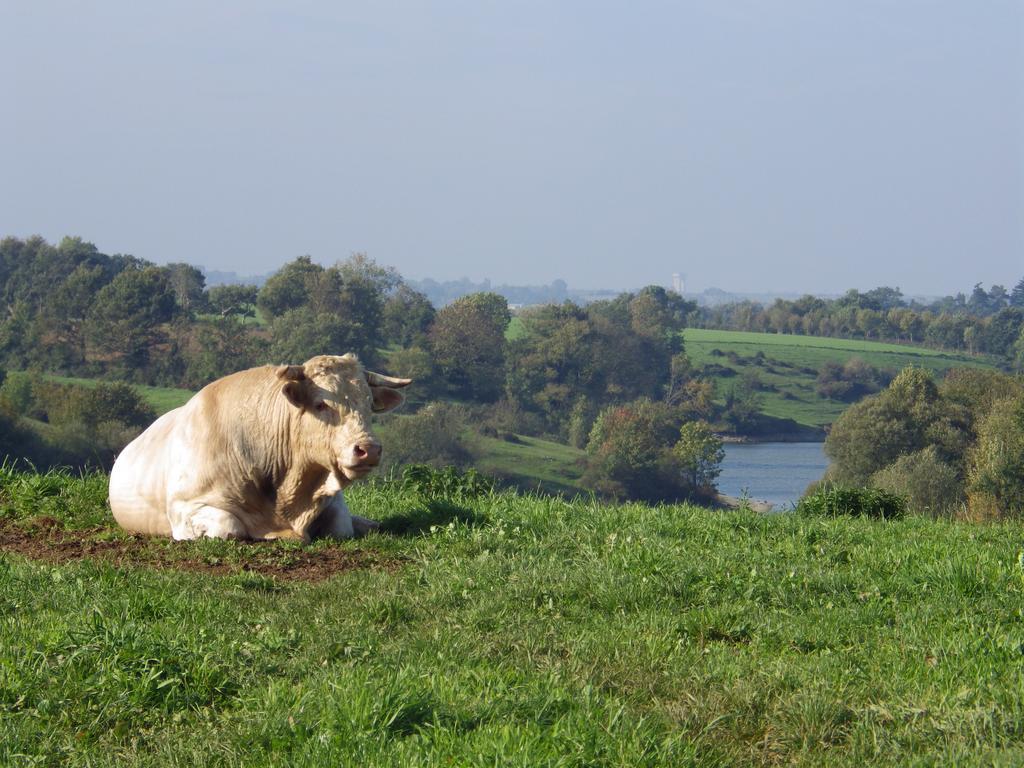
(787,145)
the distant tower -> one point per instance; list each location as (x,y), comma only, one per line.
(678,283)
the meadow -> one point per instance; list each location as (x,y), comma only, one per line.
(507,629)
(163,399)
(791,363)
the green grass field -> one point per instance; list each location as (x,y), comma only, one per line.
(791,360)
(163,399)
(532,463)
(510,630)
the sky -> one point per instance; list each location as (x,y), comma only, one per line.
(791,146)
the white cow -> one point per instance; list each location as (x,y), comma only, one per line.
(260,454)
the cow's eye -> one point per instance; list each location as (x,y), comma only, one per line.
(322,406)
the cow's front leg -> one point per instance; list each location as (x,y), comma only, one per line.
(335,521)
(189,521)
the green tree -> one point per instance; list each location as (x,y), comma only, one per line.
(233,300)
(289,288)
(407,316)
(997,463)
(124,322)
(931,485)
(908,416)
(467,340)
(188,283)
(630,453)
(1016,298)
(700,454)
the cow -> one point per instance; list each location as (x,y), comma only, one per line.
(261,454)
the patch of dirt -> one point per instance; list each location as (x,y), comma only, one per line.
(44,538)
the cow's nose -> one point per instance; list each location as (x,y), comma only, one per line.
(366,453)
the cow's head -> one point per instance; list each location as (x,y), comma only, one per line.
(336,396)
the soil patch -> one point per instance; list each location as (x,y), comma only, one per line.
(44,538)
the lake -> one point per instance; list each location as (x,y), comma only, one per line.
(775,472)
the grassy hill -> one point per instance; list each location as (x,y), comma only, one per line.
(508,630)
(791,365)
(163,399)
(532,463)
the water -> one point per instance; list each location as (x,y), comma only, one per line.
(775,472)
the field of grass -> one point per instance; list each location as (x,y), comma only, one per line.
(163,399)
(792,363)
(512,630)
(532,463)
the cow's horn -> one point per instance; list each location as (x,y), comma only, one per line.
(380,380)
(291,373)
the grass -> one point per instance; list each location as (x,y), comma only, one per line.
(525,631)
(792,363)
(532,463)
(163,399)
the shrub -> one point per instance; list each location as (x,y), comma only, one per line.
(929,484)
(997,463)
(435,435)
(836,500)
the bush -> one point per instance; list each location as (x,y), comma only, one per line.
(930,485)
(435,436)
(836,500)
(997,463)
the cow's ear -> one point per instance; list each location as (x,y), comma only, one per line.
(386,399)
(297,393)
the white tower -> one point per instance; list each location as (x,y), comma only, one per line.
(678,283)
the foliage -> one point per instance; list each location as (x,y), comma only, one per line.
(568,362)
(435,435)
(850,381)
(837,500)
(124,319)
(987,322)
(931,485)
(221,345)
(407,316)
(228,300)
(997,462)
(631,455)
(908,416)
(700,454)
(467,340)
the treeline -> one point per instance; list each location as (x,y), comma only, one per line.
(986,322)
(569,372)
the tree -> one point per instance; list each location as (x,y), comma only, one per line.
(700,454)
(467,340)
(125,318)
(1017,295)
(435,436)
(289,287)
(188,283)
(222,345)
(630,453)
(997,463)
(931,485)
(233,300)
(908,416)
(407,316)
